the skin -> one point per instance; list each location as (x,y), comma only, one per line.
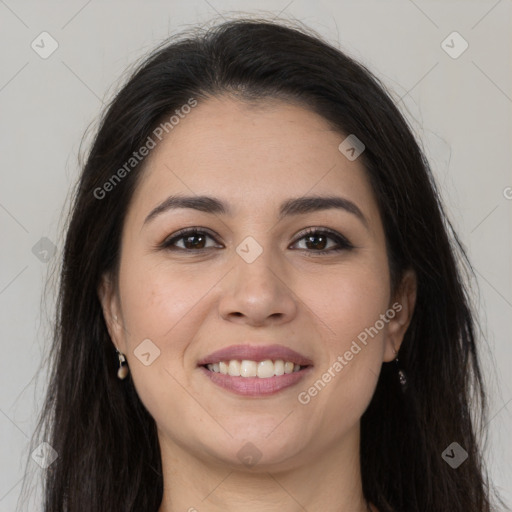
(190,304)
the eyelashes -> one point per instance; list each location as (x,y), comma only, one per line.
(310,235)
(325,234)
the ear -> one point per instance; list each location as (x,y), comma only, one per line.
(110,304)
(403,305)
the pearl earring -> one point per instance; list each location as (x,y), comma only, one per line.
(123,370)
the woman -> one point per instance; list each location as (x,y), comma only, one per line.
(260,306)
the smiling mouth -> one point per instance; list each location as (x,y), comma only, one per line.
(255,379)
(256,369)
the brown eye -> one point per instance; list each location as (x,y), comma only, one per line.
(316,241)
(193,240)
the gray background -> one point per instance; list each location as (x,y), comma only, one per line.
(460,108)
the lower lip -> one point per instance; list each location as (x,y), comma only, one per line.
(254,386)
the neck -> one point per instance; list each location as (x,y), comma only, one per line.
(329,482)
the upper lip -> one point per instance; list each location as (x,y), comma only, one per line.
(256,353)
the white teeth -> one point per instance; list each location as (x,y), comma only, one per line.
(265,369)
(246,368)
(288,367)
(234,368)
(279,367)
(223,368)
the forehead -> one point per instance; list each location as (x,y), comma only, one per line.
(251,156)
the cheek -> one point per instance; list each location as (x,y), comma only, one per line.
(347,300)
(156,299)
(349,306)
(160,304)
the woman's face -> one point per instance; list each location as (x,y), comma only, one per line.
(253,278)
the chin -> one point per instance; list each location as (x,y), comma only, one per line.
(258,451)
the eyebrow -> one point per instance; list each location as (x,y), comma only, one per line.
(294,206)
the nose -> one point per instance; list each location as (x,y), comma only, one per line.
(257,293)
